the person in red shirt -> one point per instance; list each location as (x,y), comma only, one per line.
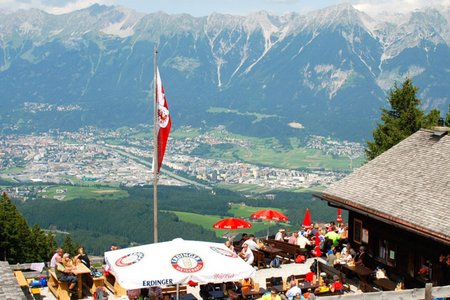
(337,286)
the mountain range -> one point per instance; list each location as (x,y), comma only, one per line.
(327,72)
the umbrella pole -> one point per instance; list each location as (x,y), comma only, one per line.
(178,291)
(318,273)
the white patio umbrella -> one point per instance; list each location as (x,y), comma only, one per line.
(176,262)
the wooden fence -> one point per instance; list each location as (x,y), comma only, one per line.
(427,293)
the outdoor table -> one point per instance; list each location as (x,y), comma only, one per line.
(280,288)
(307,285)
(363,274)
(385,284)
(252,293)
(217,294)
(79,270)
(362,271)
(271,251)
(188,297)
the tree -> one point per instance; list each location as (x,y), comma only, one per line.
(14,233)
(19,243)
(403,119)
(69,246)
(447,120)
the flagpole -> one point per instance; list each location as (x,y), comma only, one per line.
(155,152)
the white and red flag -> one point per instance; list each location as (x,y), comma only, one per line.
(164,120)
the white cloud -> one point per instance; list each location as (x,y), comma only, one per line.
(69,6)
(76,5)
(376,7)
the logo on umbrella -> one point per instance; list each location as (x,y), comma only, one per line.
(187,262)
(129,259)
(224,252)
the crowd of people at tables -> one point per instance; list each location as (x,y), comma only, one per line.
(333,242)
(334,246)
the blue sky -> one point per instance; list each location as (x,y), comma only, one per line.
(237,7)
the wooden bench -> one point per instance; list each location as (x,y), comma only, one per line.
(289,251)
(278,279)
(331,271)
(59,289)
(259,261)
(21,280)
(97,282)
(170,292)
(110,282)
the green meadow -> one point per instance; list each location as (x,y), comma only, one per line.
(238,211)
(269,152)
(85,192)
(258,117)
(12,170)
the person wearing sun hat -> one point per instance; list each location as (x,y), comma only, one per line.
(280,234)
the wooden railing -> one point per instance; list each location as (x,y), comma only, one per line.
(427,293)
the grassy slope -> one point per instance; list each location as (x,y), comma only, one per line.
(73,192)
(238,211)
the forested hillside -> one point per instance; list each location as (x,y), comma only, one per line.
(99,223)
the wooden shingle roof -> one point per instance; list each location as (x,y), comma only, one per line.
(408,185)
(9,288)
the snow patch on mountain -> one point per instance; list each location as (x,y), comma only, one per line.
(184,64)
(326,77)
(118,29)
(387,78)
(27,28)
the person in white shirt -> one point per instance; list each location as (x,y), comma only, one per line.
(280,235)
(247,254)
(251,242)
(302,241)
(56,258)
(294,290)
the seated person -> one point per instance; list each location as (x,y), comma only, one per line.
(155,293)
(303,242)
(247,254)
(331,256)
(337,286)
(273,295)
(323,287)
(361,257)
(243,239)
(229,245)
(293,238)
(293,291)
(251,242)
(64,274)
(299,296)
(232,290)
(66,261)
(56,257)
(82,257)
(247,284)
(280,235)
(260,244)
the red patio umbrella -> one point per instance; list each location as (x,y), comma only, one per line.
(339,216)
(268,214)
(307,220)
(232,223)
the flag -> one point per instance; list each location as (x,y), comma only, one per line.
(339,216)
(164,122)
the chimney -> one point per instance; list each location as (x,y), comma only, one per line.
(440,130)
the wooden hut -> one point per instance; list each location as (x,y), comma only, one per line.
(399,208)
